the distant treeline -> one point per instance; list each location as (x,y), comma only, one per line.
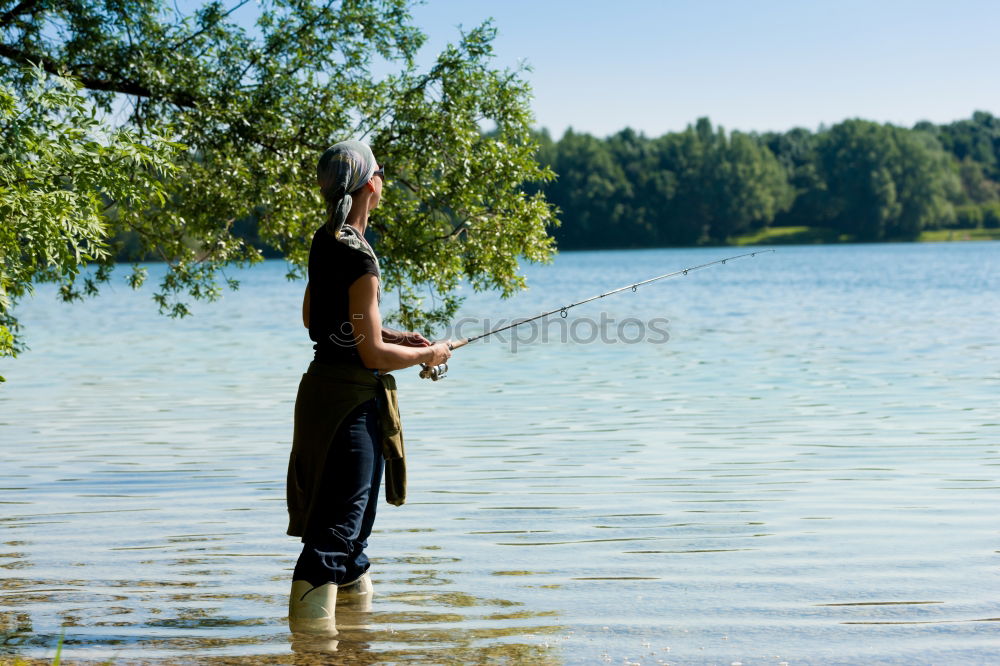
(857,180)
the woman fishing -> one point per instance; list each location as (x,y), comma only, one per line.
(346,418)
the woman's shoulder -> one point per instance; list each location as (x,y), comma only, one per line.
(333,253)
(324,242)
(323,238)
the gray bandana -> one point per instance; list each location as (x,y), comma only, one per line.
(344,168)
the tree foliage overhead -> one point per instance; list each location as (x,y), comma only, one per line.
(256,91)
(63,182)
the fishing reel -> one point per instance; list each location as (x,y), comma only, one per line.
(436,372)
(433,372)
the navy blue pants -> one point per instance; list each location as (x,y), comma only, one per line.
(334,544)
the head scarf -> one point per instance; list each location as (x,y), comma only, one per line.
(344,168)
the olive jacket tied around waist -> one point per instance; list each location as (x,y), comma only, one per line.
(327,395)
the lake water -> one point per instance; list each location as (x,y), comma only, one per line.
(806,471)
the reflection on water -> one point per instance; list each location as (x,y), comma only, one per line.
(429,634)
(181,620)
(806,472)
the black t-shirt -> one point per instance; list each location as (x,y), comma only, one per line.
(333,268)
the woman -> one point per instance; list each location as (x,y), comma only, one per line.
(346,420)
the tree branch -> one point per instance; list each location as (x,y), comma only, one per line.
(16,11)
(208,27)
(462,226)
(254,60)
(410,186)
(181,99)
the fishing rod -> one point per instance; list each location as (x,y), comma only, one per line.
(438,371)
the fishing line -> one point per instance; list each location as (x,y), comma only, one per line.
(437,372)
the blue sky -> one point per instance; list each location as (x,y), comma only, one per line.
(751,65)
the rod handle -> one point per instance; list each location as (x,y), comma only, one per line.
(455,344)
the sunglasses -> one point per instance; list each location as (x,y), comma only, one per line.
(380,172)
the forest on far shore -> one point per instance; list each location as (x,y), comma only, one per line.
(855,181)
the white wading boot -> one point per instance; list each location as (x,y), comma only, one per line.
(358,593)
(311,609)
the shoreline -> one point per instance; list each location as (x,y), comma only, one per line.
(811,236)
(823,236)
(770,236)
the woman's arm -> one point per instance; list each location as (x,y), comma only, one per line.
(367,322)
(405,339)
(305,307)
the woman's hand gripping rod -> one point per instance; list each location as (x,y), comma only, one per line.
(438,371)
